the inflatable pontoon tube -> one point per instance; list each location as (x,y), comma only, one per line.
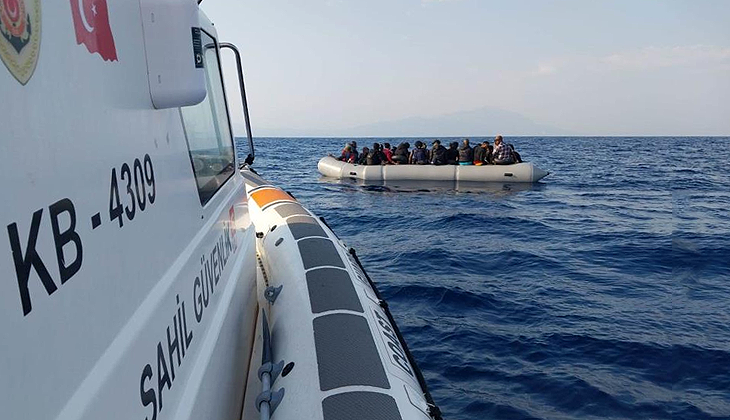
(519,172)
(349,359)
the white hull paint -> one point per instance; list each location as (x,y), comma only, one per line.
(520,172)
(80,346)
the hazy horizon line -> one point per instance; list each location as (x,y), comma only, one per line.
(481,136)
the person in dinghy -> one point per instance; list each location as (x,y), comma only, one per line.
(502,154)
(348,154)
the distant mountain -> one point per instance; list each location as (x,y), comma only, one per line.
(485,121)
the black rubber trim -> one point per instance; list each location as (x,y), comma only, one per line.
(433,409)
(324,222)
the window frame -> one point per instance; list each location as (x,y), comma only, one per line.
(204,201)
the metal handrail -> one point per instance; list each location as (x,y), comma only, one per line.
(252,154)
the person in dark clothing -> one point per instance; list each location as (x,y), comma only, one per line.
(483,154)
(466,153)
(438,153)
(488,151)
(401,153)
(515,156)
(376,156)
(480,154)
(419,155)
(452,154)
(363,159)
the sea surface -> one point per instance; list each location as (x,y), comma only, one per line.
(602,292)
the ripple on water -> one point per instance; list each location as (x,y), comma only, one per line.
(600,293)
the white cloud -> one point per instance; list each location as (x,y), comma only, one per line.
(662,57)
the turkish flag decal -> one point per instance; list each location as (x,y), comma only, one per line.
(91,21)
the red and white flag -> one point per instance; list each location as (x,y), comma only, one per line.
(91,21)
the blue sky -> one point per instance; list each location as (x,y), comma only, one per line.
(586,67)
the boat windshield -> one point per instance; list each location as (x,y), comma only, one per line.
(208,130)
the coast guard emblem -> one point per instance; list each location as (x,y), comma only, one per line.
(20,36)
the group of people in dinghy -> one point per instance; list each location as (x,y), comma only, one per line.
(481,154)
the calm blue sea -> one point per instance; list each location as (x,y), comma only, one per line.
(602,292)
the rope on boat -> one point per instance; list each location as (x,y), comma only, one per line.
(268,400)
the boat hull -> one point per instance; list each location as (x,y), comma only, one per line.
(123,296)
(519,172)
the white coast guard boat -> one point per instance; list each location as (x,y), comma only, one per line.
(519,172)
(143,275)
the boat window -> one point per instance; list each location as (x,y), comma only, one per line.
(208,131)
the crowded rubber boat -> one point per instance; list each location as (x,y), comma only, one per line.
(482,163)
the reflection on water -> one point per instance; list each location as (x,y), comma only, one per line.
(409,186)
